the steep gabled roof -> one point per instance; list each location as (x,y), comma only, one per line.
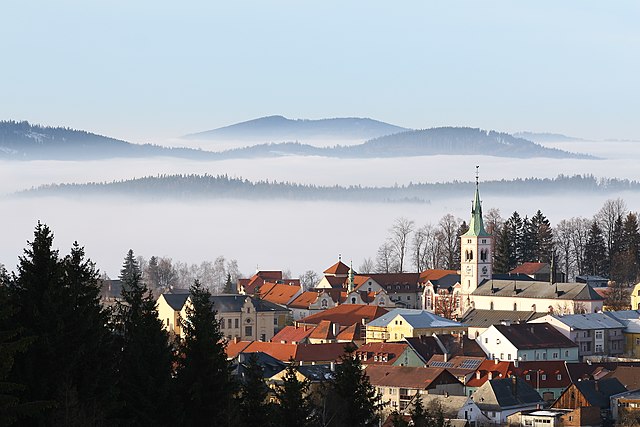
(298,352)
(278,293)
(234,303)
(534,336)
(176,301)
(323,331)
(496,368)
(350,333)
(346,314)
(598,392)
(304,299)
(339,268)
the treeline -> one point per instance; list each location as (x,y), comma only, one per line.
(607,244)
(67,360)
(192,186)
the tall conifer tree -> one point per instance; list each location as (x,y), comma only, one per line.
(204,374)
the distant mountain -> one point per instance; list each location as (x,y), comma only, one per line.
(280,129)
(427,142)
(546,137)
(25,141)
(208,187)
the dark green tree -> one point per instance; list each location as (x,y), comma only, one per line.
(69,364)
(504,256)
(295,406)
(357,402)
(418,413)
(228,285)
(397,420)
(630,249)
(617,254)
(595,254)
(152,274)
(254,408)
(542,234)
(145,366)
(203,374)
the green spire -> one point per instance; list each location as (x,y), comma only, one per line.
(476,225)
(351,286)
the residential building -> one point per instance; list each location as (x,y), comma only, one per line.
(261,277)
(631,321)
(478,321)
(540,271)
(397,385)
(590,393)
(402,322)
(580,417)
(389,353)
(527,341)
(345,315)
(300,353)
(441,294)
(596,334)
(240,316)
(403,289)
(625,407)
(497,399)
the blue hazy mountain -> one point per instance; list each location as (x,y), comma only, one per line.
(280,129)
(24,141)
(546,137)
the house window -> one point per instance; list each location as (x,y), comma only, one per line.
(599,335)
(527,377)
(353,300)
(501,356)
(221,323)
(491,306)
(324,303)
(486,340)
(275,321)
(598,348)
(543,377)
(248,331)
(515,306)
(263,337)
(248,310)
(559,377)
(408,297)
(229,324)
(167,321)
(566,353)
(237,323)
(509,356)
(555,355)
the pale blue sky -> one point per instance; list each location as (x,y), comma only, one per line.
(148,70)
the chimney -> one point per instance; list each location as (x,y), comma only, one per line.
(478,375)
(236,339)
(332,366)
(496,361)
(515,363)
(336,329)
(445,357)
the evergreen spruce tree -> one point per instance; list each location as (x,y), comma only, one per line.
(504,256)
(228,285)
(145,367)
(529,241)
(418,413)
(631,249)
(616,256)
(543,238)
(595,253)
(204,374)
(254,409)
(397,419)
(69,364)
(357,402)
(295,407)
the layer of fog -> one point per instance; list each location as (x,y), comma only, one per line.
(227,144)
(278,235)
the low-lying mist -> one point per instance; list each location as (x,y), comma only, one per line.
(277,234)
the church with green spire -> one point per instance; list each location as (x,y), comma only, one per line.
(476,247)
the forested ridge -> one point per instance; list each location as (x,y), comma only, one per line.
(25,141)
(193,186)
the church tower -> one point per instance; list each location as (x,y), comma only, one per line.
(475,253)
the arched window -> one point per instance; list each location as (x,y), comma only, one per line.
(470,255)
(491,305)
(353,300)
(515,306)
(324,304)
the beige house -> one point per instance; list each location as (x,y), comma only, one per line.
(403,322)
(240,316)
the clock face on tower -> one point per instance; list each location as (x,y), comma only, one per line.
(484,270)
(469,269)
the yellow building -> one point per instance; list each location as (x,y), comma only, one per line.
(403,322)
(635,297)
(631,321)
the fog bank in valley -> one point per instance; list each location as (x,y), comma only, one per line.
(275,234)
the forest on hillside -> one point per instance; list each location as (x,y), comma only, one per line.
(194,186)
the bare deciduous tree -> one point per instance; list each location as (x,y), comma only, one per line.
(367,266)
(309,279)
(399,240)
(384,258)
(607,217)
(447,235)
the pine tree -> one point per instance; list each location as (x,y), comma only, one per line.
(617,255)
(254,409)
(356,400)
(397,420)
(295,407)
(504,257)
(418,413)
(631,249)
(204,374)
(145,368)
(595,254)
(543,238)
(69,362)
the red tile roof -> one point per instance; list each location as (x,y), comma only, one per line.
(346,314)
(336,282)
(293,334)
(427,275)
(234,348)
(298,352)
(304,299)
(278,293)
(350,333)
(324,331)
(529,268)
(338,268)
(497,369)
(380,353)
